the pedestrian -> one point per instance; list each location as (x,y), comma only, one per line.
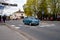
(0,18)
(4,18)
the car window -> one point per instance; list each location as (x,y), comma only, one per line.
(26,17)
(30,18)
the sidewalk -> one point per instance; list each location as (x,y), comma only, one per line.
(8,34)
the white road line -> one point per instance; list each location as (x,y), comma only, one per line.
(12,25)
(22,35)
(47,25)
(17,27)
(20,25)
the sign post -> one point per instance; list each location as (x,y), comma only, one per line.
(42,14)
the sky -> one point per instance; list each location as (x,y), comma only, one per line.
(10,9)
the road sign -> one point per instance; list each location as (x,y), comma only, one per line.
(1,7)
(8,4)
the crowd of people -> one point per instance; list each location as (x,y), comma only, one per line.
(3,18)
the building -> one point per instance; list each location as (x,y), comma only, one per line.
(17,15)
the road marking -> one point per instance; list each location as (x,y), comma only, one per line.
(12,25)
(47,25)
(17,27)
(20,25)
(21,35)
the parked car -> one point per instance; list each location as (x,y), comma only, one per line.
(31,21)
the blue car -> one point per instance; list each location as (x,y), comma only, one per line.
(31,21)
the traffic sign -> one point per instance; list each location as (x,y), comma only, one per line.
(8,4)
(1,7)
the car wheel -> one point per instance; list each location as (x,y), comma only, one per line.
(25,23)
(38,24)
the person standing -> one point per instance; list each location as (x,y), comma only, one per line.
(4,18)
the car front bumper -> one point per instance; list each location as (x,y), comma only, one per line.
(34,23)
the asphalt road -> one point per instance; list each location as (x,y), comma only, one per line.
(8,34)
(46,30)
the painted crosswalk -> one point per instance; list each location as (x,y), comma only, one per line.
(47,25)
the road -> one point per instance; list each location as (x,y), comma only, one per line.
(8,34)
(46,30)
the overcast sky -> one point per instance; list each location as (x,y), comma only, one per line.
(9,9)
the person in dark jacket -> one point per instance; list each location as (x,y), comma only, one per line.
(4,18)
(0,18)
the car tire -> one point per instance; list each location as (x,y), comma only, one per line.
(25,23)
(38,24)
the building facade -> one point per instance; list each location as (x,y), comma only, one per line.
(17,15)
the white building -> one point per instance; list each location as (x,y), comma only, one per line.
(17,15)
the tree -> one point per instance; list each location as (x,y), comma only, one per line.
(55,8)
(27,10)
(42,8)
(33,7)
(27,7)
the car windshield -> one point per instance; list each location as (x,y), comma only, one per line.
(30,18)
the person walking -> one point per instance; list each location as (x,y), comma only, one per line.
(4,18)
(0,18)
